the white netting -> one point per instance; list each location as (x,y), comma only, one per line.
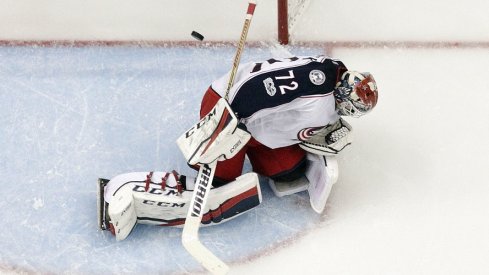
(296,9)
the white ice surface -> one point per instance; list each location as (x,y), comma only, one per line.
(413,192)
(412,196)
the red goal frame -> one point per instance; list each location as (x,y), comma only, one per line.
(283,22)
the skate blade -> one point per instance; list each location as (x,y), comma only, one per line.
(101,204)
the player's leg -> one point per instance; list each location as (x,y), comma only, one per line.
(292,170)
(284,166)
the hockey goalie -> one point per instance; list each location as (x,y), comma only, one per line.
(285,115)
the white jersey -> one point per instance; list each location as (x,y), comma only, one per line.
(278,98)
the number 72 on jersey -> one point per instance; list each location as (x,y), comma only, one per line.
(270,84)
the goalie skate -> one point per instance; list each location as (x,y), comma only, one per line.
(102,206)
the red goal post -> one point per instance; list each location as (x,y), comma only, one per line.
(289,12)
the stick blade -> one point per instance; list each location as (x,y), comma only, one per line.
(204,256)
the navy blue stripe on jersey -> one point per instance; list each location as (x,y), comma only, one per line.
(274,88)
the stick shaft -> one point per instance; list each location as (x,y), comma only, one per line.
(241,44)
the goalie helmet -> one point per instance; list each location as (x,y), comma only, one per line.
(356,93)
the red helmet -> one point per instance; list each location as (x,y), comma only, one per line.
(356,94)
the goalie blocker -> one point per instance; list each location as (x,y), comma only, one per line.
(160,198)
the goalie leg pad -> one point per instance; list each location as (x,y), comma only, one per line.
(122,213)
(233,199)
(165,208)
(322,173)
(120,217)
(140,198)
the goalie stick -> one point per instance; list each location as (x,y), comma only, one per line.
(244,34)
(190,235)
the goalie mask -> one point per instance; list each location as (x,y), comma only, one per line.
(356,94)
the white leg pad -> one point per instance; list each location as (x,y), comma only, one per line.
(132,200)
(224,203)
(322,173)
(122,213)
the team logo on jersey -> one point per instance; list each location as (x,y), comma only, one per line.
(270,86)
(317,77)
(307,133)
